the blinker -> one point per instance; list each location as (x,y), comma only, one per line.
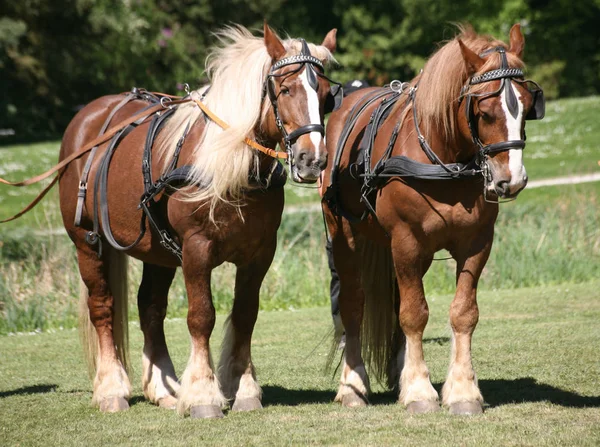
(511,99)
(311,75)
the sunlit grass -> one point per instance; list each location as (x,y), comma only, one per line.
(534,351)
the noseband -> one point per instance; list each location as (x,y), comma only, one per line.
(305,60)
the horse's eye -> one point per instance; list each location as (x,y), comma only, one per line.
(285,91)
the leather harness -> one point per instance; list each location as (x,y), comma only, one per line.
(172,178)
(389,166)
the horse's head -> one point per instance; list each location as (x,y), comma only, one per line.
(497,102)
(300,95)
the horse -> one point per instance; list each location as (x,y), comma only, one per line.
(217,199)
(415,168)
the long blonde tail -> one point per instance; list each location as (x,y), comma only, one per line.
(117,282)
(380,329)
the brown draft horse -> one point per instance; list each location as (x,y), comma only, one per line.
(465,112)
(230,214)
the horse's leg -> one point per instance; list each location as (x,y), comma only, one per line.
(159,381)
(416,391)
(461,393)
(236,371)
(354,382)
(200,392)
(111,384)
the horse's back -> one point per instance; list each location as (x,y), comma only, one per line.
(86,124)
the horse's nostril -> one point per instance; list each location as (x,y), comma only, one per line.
(323,162)
(502,188)
(302,156)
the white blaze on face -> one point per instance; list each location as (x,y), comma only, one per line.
(312,102)
(513,126)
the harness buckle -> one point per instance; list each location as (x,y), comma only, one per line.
(163,102)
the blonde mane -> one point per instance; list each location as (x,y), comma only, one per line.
(445,74)
(237,67)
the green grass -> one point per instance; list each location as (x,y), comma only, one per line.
(535,353)
(565,142)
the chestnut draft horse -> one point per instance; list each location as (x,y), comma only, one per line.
(227,208)
(415,168)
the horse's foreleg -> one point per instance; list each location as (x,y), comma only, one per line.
(416,391)
(236,371)
(461,393)
(159,381)
(200,393)
(100,275)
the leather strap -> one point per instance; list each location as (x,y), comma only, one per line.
(88,164)
(35,201)
(86,148)
(304,130)
(253,144)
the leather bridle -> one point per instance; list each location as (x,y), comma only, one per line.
(305,60)
(506,75)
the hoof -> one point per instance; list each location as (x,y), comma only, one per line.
(423,406)
(354,401)
(113,405)
(466,408)
(247,404)
(206,412)
(169,402)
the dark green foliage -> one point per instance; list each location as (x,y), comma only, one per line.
(57,55)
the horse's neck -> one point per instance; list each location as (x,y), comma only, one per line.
(449,149)
(187,157)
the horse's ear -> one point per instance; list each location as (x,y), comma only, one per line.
(472,59)
(330,41)
(517,41)
(274,46)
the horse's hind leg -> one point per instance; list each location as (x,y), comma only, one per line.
(159,381)
(354,382)
(461,393)
(236,371)
(105,279)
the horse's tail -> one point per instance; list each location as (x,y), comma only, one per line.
(380,332)
(117,281)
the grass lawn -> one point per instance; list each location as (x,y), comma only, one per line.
(535,352)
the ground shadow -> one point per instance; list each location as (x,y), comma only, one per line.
(277,395)
(496,392)
(499,392)
(436,341)
(34,389)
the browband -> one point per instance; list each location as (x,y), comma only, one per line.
(500,73)
(297,59)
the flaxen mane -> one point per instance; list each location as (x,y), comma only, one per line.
(445,74)
(237,68)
